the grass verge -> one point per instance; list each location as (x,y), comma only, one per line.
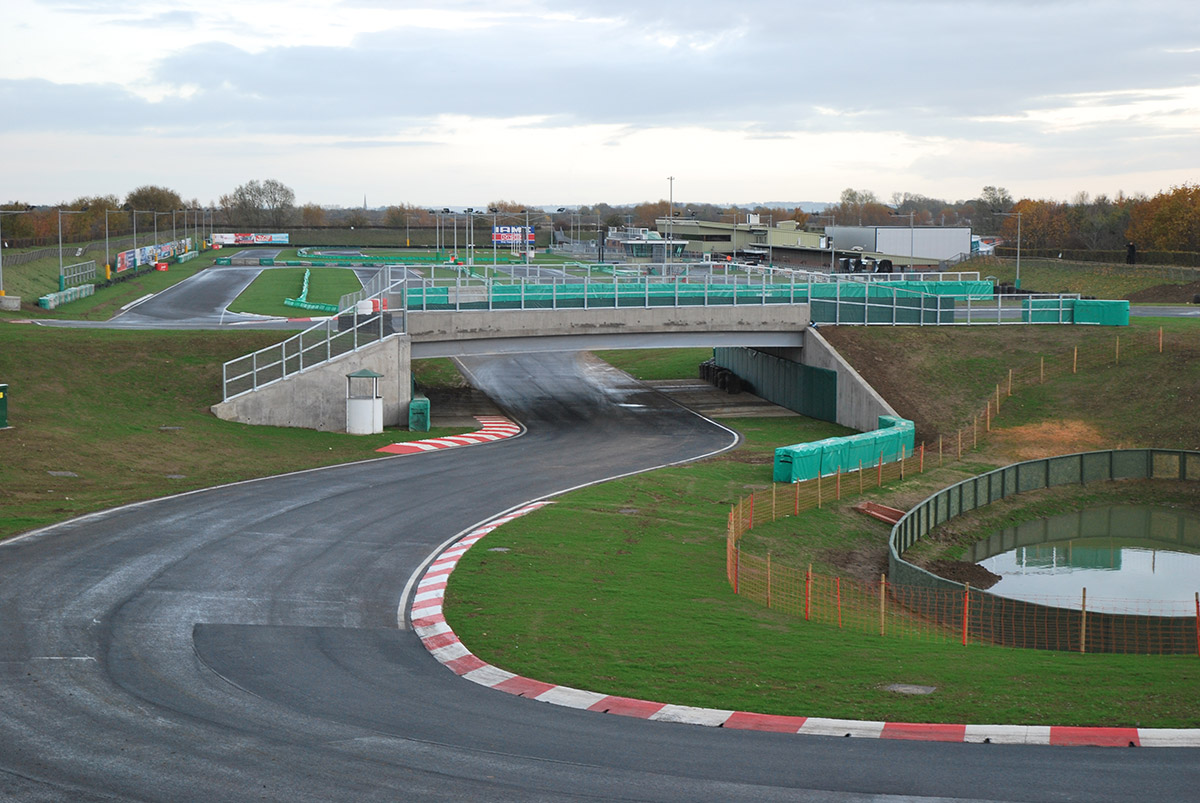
(621,588)
(125,414)
(265,295)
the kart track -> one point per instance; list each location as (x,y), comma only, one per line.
(242,643)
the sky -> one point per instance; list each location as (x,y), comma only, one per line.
(554,102)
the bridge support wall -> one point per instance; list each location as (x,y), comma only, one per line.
(858,404)
(316,398)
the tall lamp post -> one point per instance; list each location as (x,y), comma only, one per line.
(670,218)
(1017,215)
(2,213)
(493,210)
(62,282)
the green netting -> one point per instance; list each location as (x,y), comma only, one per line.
(1104,313)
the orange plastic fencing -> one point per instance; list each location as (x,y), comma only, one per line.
(1135,626)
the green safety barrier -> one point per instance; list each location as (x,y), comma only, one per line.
(1104,313)
(266,261)
(3,406)
(1047,310)
(53,300)
(893,441)
(190,255)
(302,300)
(310,305)
(224,260)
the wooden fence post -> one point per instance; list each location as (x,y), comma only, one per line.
(1042,371)
(997,399)
(882,603)
(988,420)
(1009,381)
(768,579)
(818,488)
(839,482)
(773,486)
(839,604)
(796,506)
(940,449)
(960,444)
(922,465)
(966,609)
(1118,354)
(1083,623)
(879,476)
(860,479)
(807,592)
(1075,361)
(902,459)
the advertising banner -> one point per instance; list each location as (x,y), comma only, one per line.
(125,261)
(509,235)
(224,238)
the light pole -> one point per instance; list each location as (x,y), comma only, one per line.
(525,239)
(61,279)
(493,210)
(670,217)
(3,212)
(1017,215)
(107,254)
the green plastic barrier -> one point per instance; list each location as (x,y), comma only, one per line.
(804,461)
(1047,310)
(1103,313)
(267,262)
(224,260)
(418,414)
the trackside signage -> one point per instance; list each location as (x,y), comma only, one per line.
(249,239)
(507,235)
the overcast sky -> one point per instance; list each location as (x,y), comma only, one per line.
(559,102)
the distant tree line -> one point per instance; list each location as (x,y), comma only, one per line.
(1168,222)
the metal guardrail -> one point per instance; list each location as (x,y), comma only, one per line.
(396,291)
(315,346)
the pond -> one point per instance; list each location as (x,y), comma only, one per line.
(1121,554)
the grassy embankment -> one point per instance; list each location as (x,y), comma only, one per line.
(127,414)
(621,588)
(1087,278)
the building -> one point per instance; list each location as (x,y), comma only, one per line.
(750,238)
(905,245)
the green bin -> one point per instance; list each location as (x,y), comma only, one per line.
(3,406)
(418,414)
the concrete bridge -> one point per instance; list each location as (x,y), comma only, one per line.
(315,397)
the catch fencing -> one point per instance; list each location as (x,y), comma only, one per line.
(909,602)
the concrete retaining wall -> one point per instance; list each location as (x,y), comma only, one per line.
(316,398)
(858,404)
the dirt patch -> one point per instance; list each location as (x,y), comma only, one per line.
(1167,294)
(962,572)
(864,563)
(1049,438)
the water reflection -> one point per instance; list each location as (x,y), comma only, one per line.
(1115,551)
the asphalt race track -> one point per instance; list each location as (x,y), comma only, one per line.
(241,643)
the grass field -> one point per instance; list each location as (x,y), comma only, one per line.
(621,588)
(1086,278)
(127,414)
(266,293)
